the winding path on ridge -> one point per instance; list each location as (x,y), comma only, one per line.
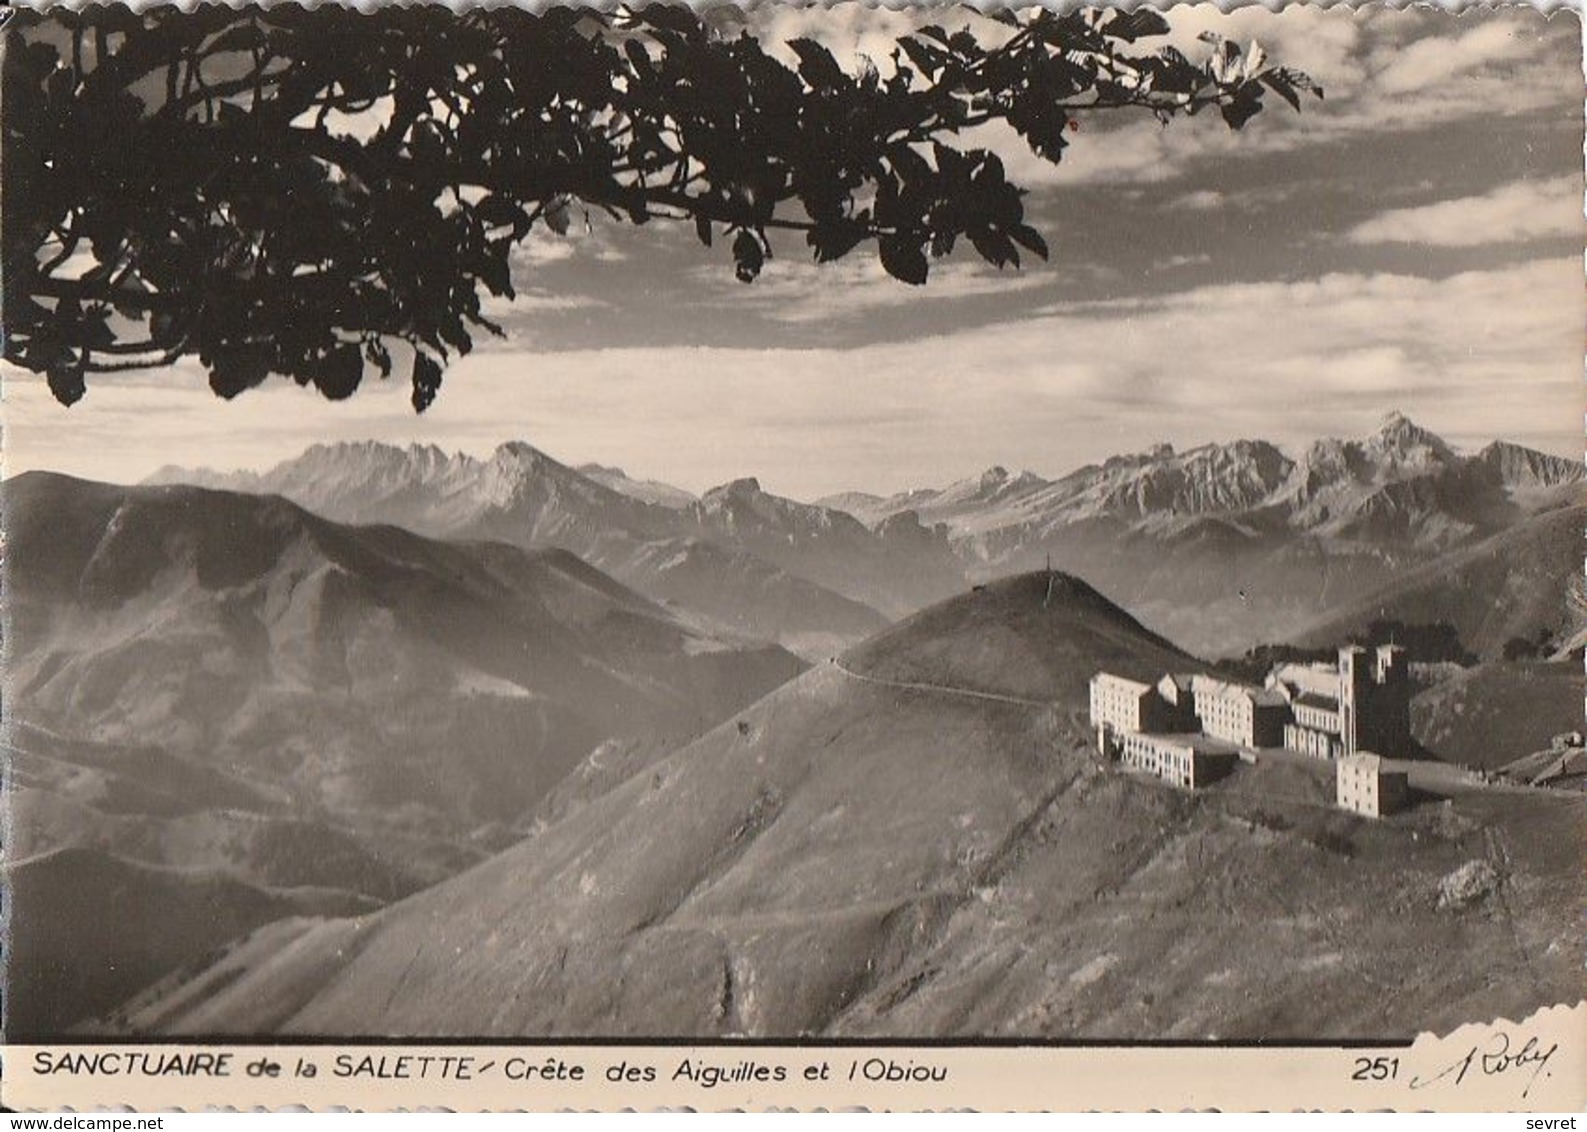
(941,689)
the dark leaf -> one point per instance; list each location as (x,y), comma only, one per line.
(1027,237)
(950,162)
(996,248)
(1276,84)
(1142,23)
(638,57)
(497,211)
(927,58)
(557,216)
(904,259)
(1300,80)
(377,355)
(233,370)
(964,43)
(338,373)
(674,18)
(426,380)
(1245,105)
(910,167)
(816,65)
(834,241)
(66,381)
(748,256)
(495,273)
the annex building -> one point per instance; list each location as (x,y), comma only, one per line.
(1364,786)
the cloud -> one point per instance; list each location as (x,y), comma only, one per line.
(1436,59)
(1385,73)
(798,292)
(1475,355)
(1173,262)
(1523,210)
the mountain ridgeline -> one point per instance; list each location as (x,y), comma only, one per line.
(1219,548)
(1226,546)
(811,577)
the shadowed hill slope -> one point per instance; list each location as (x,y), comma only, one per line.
(89,929)
(218,682)
(1034,636)
(331,662)
(854,856)
(696,553)
(1514,586)
(1488,715)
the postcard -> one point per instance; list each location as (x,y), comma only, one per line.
(615,557)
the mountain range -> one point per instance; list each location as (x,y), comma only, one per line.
(808,576)
(234,688)
(1225,546)
(1220,547)
(916,840)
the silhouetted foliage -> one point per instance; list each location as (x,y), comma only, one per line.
(322,194)
(1425,643)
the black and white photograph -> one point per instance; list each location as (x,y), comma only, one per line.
(787,523)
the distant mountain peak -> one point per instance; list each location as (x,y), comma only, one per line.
(1519,466)
(1399,432)
(523,452)
(747,485)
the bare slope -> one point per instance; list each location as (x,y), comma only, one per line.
(852,855)
(89,929)
(1514,586)
(1038,636)
(1489,715)
(232,687)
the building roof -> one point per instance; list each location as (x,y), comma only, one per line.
(1122,682)
(1313,700)
(1317,678)
(1262,697)
(1193,741)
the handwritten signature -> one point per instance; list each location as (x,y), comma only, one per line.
(1498,1055)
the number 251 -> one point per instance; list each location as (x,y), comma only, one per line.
(1376,1069)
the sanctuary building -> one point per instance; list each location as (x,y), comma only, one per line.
(1190,729)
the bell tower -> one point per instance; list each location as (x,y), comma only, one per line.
(1353,677)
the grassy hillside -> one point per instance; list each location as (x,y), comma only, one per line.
(229,689)
(848,856)
(88,930)
(1037,636)
(1514,586)
(1489,715)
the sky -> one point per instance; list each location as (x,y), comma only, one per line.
(1413,242)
